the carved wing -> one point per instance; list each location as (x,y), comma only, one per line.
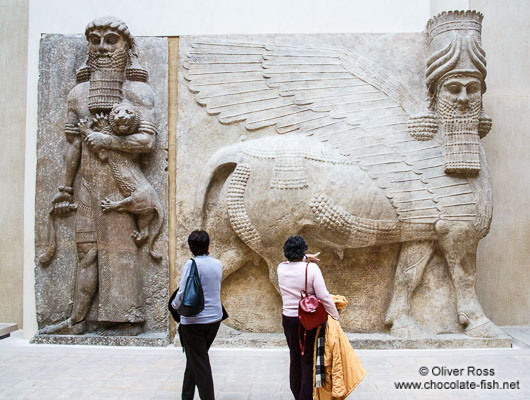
(339,99)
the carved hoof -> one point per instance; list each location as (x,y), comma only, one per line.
(408,327)
(486,329)
(463,319)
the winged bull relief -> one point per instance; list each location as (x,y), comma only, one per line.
(356,161)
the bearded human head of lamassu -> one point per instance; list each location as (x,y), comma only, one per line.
(112,58)
(455,78)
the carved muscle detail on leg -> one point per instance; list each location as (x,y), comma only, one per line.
(413,258)
(235,258)
(85,288)
(458,241)
(86,285)
(357,230)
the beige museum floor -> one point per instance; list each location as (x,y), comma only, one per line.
(29,371)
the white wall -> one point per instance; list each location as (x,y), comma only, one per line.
(504,274)
(13,50)
(184,17)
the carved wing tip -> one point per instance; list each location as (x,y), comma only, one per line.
(254,126)
(227,120)
(191,87)
(201,101)
(211,111)
(321,109)
(187,78)
(301,102)
(282,130)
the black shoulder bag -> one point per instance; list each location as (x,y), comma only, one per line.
(193,299)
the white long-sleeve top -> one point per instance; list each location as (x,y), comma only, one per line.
(291,278)
(210,273)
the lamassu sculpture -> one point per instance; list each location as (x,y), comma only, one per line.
(111,121)
(355,164)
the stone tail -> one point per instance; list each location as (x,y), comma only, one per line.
(227,157)
(154,234)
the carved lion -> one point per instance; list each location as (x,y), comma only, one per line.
(124,119)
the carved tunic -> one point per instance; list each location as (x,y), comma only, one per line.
(119,259)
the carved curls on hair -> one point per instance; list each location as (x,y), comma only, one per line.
(112,23)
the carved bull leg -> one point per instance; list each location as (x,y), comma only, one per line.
(273,272)
(235,258)
(413,258)
(458,241)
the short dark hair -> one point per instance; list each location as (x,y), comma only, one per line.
(294,248)
(199,242)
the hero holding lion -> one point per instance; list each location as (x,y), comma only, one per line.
(110,123)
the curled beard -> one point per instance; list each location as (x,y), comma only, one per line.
(106,80)
(116,60)
(460,138)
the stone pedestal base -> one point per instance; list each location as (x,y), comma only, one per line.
(446,341)
(142,340)
(228,337)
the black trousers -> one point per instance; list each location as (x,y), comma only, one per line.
(196,340)
(301,367)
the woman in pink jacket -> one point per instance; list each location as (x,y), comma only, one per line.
(291,279)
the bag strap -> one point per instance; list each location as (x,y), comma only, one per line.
(303,293)
(302,345)
(306,266)
(194,270)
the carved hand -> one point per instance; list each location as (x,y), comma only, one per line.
(95,140)
(84,127)
(62,203)
(100,122)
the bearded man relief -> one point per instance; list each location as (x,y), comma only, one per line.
(110,122)
(354,164)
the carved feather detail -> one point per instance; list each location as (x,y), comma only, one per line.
(342,100)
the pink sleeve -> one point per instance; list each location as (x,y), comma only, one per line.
(319,286)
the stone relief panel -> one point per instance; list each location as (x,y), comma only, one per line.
(329,136)
(101,204)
